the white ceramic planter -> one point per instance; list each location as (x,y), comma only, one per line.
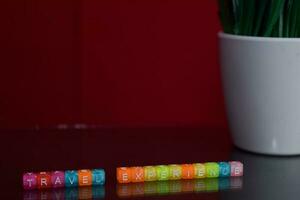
(261,84)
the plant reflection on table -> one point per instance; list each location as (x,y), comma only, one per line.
(267,177)
(178,187)
(68,193)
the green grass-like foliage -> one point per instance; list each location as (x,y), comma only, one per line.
(264,18)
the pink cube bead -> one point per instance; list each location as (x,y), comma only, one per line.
(29,181)
(58,179)
(237,168)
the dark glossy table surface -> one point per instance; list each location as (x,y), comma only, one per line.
(47,150)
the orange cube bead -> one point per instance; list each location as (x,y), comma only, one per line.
(137,174)
(124,175)
(188,171)
(84,177)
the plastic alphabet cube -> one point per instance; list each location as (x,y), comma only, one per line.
(162,172)
(98,177)
(212,169)
(137,174)
(199,170)
(58,179)
(175,172)
(188,171)
(150,173)
(224,168)
(124,174)
(71,178)
(84,177)
(237,168)
(29,181)
(44,180)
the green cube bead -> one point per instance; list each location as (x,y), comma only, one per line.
(162,172)
(212,170)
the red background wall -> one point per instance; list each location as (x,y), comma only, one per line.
(109,62)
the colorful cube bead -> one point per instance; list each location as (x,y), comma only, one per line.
(98,177)
(84,177)
(71,178)
(212,169)
(199,170)
(58,179)
(237,168)
(124,174)
(150,173)
(137,174)
(162,172)
(44,180)
(224,168)
(188,171)
(29,181)
(175,172)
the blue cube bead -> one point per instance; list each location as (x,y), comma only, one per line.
(224,169)
(71,178)
(98,177)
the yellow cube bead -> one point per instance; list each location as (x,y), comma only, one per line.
(175,172)
(199,170)
(150,173)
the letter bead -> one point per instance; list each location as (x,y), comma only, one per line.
(58,179)
(29,181)
(236,168)
(137,174)
(150,173)
(212,170)
(224,169)
(162,172)
(98,177)
(44,180)
(71,178)
(188,171)
(84,177)
(199,170)
(175,172)
(124,174)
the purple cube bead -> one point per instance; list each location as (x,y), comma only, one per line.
(58,179)
(29,181)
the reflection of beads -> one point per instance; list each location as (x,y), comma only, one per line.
(176,172)
(179,186)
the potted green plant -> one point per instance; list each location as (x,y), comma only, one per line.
(260,65)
